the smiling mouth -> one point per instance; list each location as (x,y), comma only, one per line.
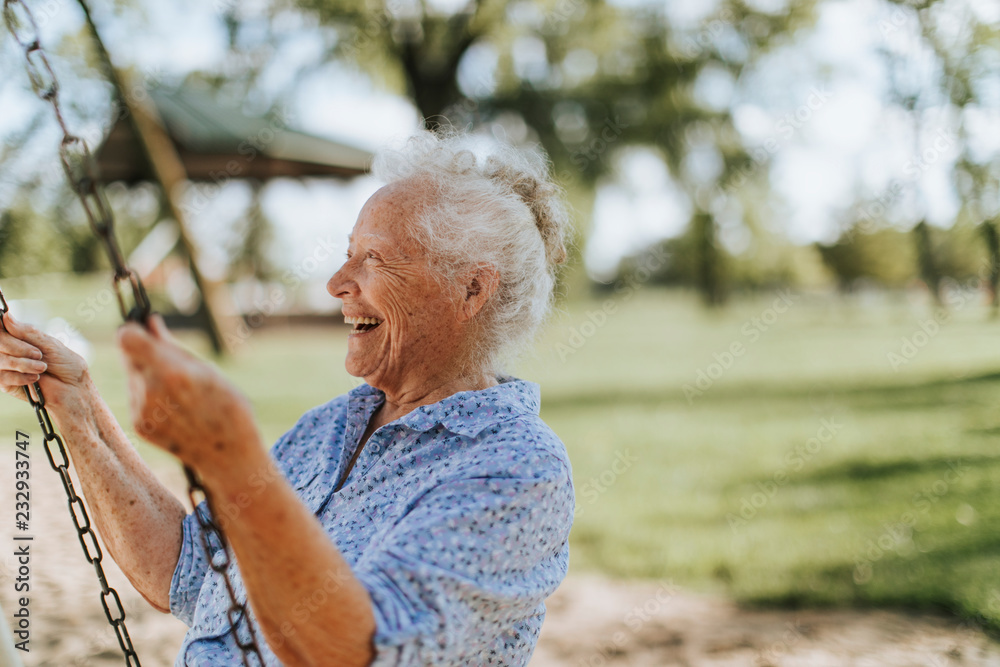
(362,324)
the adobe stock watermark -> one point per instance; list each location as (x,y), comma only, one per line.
(752,330)
(911,345)
(105,640)
(198,196)
(711,31)
(605,136)
(784,130)
(793,461)
(898,533)
(897,20)
(323,251)
(634,620)
(979,623)
(609,132)
(303,610)
(957,299)
(563,11)
(772,653)
(257,483)
(161,411)
(869,215)
(377,26)
(596,486)
(93,134)
(469,105)
(624,290)
(43,12)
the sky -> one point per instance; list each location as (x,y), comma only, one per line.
(814,111)
(815,114)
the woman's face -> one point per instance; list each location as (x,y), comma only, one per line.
(419,333)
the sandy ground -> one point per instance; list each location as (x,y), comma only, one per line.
(592,621)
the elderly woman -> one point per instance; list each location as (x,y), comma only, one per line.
(420,519)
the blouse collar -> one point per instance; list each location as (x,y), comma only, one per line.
(466,413)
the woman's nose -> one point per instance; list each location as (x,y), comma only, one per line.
(342,283)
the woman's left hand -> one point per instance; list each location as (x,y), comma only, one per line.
(182,404)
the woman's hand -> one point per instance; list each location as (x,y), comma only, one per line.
(182,404)
(27,355)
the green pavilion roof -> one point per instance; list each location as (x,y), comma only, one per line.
(216,140)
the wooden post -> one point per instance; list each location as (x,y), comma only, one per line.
(168,170)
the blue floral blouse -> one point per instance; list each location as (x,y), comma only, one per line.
(455,518)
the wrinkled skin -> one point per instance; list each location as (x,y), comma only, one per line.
(428,330)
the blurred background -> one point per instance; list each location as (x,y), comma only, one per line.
(774,356)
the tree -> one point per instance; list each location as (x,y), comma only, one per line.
(963,51)
(582,77)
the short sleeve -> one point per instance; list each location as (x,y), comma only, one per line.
(192,566)
(472,561)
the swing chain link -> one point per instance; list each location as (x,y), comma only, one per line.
(81,170)
(88,538)
(219,560)
(77,161)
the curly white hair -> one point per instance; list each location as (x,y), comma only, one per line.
(491,204)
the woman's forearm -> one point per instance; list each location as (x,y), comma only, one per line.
(311,607)
(284,555)
(137,517)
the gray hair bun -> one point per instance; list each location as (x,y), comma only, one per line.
(542,197)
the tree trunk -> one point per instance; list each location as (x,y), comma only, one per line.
(925,257)
(709,260)
(992,240)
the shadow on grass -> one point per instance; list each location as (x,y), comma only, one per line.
(879,470)
(930,393)
(924,583)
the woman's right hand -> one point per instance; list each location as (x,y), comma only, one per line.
(27,355)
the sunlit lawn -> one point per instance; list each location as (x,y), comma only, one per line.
(808,472)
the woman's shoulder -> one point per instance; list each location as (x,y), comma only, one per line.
(526,442)
(499,423)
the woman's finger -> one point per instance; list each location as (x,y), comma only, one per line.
(137,345)
(133,339)
(15,379)
(52,349)
(12,341)
(159,328)
(22,365)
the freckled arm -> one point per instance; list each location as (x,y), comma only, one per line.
(311,607)
(137,517)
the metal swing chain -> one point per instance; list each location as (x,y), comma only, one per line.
(86,535)
(81,171)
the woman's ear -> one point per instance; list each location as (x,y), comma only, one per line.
(480,284)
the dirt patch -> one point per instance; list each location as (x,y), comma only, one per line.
(594,621)
(591,622)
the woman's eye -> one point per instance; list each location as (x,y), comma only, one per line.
(371,255)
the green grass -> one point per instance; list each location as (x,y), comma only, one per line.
(670,507)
